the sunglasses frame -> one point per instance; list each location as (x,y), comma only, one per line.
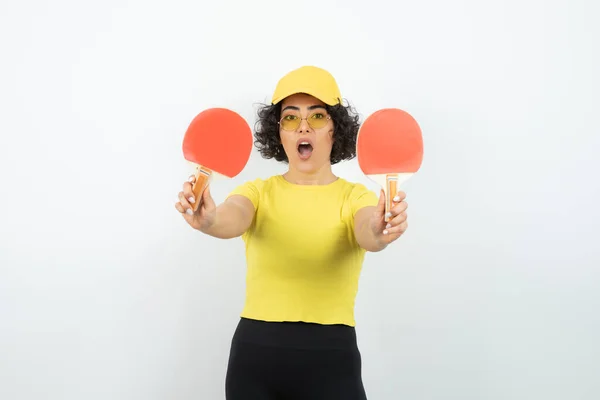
(328,117)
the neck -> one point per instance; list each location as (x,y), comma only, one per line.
(322,176)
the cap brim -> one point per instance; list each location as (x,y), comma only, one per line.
(315,93)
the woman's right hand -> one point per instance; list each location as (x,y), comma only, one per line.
(205,215)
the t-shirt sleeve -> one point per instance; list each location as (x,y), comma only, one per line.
(251,190)
(361,197)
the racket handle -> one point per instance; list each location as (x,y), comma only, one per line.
(391,181)
(203,176)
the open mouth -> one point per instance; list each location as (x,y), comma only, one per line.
(305,149)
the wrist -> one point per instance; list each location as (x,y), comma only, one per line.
(207,226)
(377,240)
(380,243)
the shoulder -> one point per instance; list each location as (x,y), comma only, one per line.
(258,183)
(253,189)
(355,189)
(358,195)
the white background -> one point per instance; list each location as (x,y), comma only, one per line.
(106,293)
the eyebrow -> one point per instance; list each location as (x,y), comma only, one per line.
(298,109)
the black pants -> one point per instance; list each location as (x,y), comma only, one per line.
(294,361)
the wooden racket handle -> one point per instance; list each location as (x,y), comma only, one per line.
(391,181)
(203,176)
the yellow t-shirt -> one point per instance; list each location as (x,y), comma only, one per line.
(303,261)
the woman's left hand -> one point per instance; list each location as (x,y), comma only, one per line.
(386,232)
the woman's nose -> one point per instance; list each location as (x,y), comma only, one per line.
(303,127)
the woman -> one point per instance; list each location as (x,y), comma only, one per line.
(306,233)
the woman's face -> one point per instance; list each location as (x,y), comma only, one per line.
(307,147)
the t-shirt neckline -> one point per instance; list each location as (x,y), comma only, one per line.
(297,185)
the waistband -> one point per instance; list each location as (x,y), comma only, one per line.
(297,335)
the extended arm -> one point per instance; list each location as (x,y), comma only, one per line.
(233,217)
(370,229)
(363,231)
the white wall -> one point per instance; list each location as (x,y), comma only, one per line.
(106,293)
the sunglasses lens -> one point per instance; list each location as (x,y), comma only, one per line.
(317,120)
(290,122)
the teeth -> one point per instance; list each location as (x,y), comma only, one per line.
(303,142)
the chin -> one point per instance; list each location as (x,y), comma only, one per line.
(308,166)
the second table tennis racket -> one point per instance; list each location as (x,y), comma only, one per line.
(389,149)
(219,142)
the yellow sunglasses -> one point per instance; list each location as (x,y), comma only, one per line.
(316,120)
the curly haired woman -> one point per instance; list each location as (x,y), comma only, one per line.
(306,233)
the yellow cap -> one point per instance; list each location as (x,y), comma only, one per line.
(310,80)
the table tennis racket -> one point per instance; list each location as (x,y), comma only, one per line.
(389,149)
(218,142)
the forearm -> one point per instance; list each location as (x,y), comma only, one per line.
(230,222)
(367,239)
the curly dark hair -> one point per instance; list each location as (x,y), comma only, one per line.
(345,129)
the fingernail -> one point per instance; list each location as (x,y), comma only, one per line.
(189,211)
(397,198)
(191,178)
(388,215)
(191,200)
(385,232)
(388,226)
